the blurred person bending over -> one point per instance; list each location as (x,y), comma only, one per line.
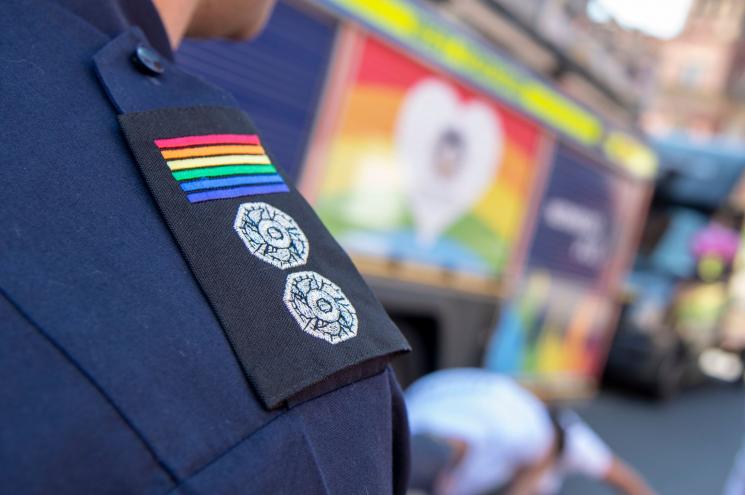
(475,432)
(173,316)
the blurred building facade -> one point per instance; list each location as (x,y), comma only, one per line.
(693,83)
(700,79)
(606,67)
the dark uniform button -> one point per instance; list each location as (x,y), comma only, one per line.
(148,61)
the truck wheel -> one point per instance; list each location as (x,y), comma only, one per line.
(669,376)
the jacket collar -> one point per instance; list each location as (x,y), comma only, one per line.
(113,17)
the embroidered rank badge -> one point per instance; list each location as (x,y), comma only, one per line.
(220,166)
(320,307)
(271,235)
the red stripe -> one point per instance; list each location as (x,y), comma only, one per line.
(208,139)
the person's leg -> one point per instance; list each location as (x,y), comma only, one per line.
(430,458)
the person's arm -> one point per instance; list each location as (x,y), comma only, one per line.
(622,477)
(527,479)
(525,482)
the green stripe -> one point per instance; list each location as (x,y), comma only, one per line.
(194,173)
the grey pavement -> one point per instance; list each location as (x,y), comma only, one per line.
(683,447)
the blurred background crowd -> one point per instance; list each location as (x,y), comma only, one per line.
(546,189)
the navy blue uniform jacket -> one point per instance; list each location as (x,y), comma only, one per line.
(151,340)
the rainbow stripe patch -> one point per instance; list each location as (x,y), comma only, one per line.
(220,166)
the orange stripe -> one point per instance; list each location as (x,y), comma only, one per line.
(212,151)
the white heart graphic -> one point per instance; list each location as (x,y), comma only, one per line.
(450,152)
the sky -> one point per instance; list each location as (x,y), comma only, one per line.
(661,18)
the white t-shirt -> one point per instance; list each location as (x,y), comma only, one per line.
(504,426)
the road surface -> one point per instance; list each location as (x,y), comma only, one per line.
(683,447)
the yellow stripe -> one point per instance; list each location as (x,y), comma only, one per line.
(216,161)
(213,151)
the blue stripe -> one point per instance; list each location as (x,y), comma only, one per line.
(236,192)
(243,180)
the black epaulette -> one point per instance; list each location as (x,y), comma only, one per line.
(294,308)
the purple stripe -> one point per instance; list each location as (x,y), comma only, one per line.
(236,192)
